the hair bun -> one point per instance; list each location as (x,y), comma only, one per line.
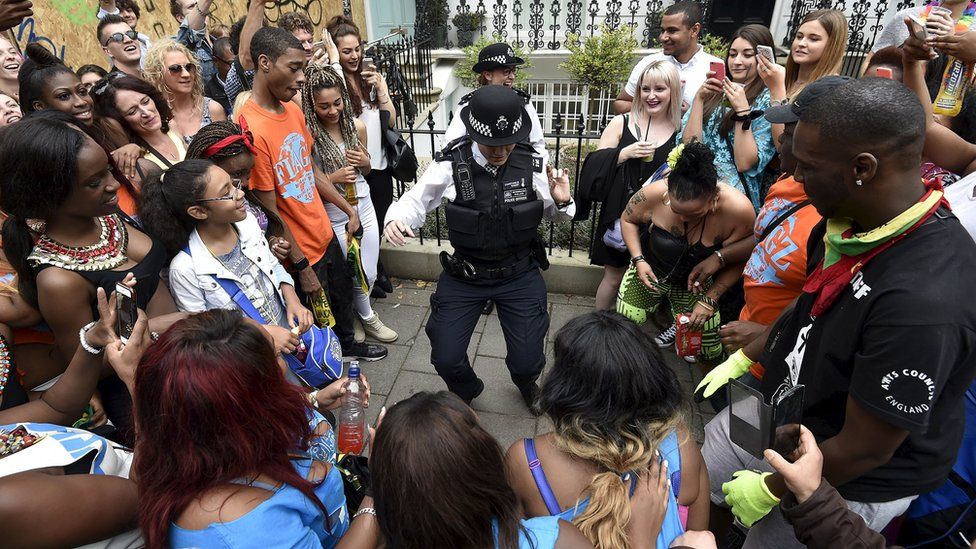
(695,156)
(41,56)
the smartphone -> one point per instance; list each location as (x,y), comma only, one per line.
(125,311)
(717,67)
(787,417)
(748,418)
(917,28)
(884,72)
(368,64)
(766,52)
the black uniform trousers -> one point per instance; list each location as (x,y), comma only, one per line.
(455,309)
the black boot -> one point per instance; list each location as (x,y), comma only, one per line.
(489,307)
(382,281)
(481,389)
(377,292)
(530,392)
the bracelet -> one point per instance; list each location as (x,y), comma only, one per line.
(312,400)
(364,511)
(299,265)
(635,260)
(707,306)
(83,339)
(747,119)
(721,259)
(561,205)
(708,301)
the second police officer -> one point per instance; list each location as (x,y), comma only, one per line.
(498,191)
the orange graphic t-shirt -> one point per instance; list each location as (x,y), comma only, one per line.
(283,164)
(777,269)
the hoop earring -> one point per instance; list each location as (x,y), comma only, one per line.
(665,199)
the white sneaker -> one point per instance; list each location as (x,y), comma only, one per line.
(357,327)
(375,329)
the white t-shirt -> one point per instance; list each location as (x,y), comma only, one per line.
(693,73)
(961,198)
(374,140)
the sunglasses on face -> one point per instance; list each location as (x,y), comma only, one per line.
(178,69)
(120,37)
(237,183)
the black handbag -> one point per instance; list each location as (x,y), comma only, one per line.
(401,161)
(355,479)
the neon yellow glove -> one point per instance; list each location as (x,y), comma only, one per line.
(732,368)
(749,496)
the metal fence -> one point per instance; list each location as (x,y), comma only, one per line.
(406,63)
(541,24)
(568,149)
(865,21)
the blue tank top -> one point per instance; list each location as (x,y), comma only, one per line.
(538,533)
(671,527)
(287,518)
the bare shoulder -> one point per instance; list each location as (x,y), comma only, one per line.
(571,538)
(222,504)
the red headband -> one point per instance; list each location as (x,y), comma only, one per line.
(230,140)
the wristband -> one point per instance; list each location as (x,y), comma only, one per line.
(561,205)
(313,399)
(721,259)
(300,265)
(635,260)
(83,339)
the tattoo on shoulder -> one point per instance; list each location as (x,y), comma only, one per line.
(638,197)
(629,210)
(676,231)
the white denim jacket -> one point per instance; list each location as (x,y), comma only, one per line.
(191,276)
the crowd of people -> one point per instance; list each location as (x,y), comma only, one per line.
(810,234)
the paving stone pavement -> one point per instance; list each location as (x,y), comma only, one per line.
(407,369)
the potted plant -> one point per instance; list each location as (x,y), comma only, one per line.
(462,69)
(467,24)
(601,61)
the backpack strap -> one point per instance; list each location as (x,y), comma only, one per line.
(236,293)
(781,218)
(539,475)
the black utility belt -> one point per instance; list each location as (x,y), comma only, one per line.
(459,267)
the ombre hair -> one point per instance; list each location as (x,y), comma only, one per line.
(755,35)
(612,400)
(212,406)
(835,24)
(666,73)
(154,67)
(439,478)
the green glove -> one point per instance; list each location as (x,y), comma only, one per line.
(749,496)
(732,368)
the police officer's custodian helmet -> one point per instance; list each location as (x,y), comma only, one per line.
(495,116)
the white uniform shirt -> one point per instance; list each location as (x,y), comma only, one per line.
(693,73)
(437,183)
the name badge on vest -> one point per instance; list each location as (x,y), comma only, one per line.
(514,191)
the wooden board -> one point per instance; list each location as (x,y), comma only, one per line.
(67,27)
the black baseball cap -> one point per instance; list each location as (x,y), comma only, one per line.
(791,112)
(495,115)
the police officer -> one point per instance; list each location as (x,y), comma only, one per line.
(498,190)
(497,65)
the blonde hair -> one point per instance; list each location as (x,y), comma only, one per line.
(239,104)
(606,518)
(835,24)
(154,66)
(660,71)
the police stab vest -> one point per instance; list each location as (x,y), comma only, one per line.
(493,217)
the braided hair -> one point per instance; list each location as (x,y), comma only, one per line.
(214,132)
(330,158)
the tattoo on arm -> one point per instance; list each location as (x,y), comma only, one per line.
(638,197)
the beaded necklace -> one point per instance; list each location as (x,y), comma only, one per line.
(105,254)
(4,364)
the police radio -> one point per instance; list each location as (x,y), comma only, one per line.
(465,181)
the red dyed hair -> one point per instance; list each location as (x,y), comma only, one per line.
(212,406)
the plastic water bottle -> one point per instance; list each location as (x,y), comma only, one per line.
(352,415)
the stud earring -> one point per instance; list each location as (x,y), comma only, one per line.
(859,183)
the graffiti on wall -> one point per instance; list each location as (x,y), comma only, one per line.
(26,34)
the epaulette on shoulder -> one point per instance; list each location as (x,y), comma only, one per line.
(445,153)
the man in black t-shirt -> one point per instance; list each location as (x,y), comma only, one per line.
(887,357)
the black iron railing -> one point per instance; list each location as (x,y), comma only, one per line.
(406,63)
(865,21)
(541,24)
(567,149)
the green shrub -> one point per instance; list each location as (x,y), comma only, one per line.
(468,20)
(714,44)
(462,69)
(602,60)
